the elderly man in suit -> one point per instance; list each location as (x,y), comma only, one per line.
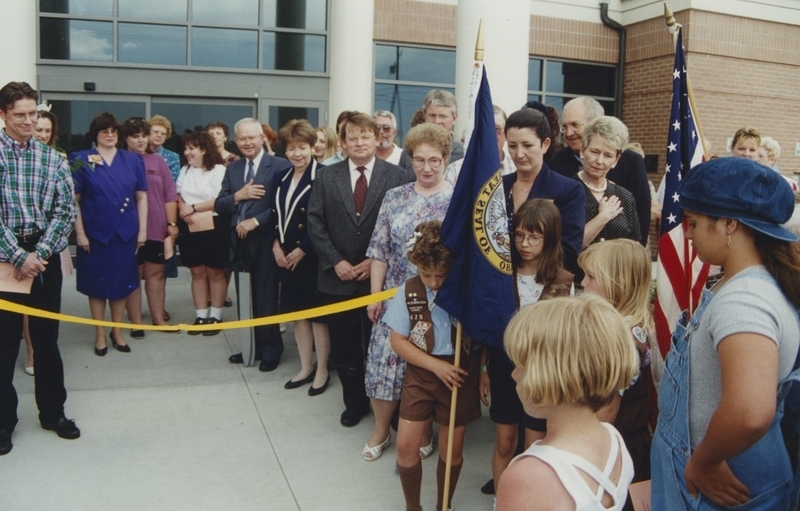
(342,212)
(245,196)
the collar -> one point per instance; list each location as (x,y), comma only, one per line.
(10,142)
(369,166)
(256,161)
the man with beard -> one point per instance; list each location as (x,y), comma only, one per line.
(387,150)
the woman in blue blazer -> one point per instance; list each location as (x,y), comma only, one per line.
(296,259)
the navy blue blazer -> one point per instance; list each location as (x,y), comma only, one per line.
(290,226)
(569,197)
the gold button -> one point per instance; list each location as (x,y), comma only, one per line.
(299,226)
(302,210)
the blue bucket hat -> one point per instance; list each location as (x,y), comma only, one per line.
(741,189)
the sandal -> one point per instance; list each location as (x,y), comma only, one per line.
(426,450)
(373,453)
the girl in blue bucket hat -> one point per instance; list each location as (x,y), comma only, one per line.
(718,442)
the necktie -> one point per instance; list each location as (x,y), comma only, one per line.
(250,172)
(249,177)
(360,191)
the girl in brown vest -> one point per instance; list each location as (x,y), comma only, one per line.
(423,335)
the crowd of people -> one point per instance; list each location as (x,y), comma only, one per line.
(315,216)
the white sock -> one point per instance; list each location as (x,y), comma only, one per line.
(201,313)
(215,313)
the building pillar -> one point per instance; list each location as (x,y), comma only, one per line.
(18,40)
(506,35)
(352,61)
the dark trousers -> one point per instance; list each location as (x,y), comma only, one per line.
(349,333)
(48,368)
(264,295)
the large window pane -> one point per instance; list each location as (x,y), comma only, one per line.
(82,7)
(415,64)
(74,118)
(534,74)
(186,117)
(304,14)
(280,115)
(402,101)
(161,10)
(151,44)
(225,13)
(216,47)
(293,52)
(75,39)
(583,79)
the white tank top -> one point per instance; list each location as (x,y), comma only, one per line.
(569,467)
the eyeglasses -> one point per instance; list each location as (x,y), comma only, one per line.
(419,163)
(385,128)
(533,240)
(500,129)
(248,140)
(34,116)
(574,126)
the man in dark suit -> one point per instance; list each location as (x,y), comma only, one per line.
(629,172)
(342,212)
(245,196)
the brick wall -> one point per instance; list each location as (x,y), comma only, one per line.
(415,22)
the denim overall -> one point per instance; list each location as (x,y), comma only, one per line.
(764,468)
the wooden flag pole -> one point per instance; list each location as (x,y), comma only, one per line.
(452,425)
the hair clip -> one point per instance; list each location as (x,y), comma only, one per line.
(412,241)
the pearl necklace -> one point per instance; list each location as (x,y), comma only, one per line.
(595,189)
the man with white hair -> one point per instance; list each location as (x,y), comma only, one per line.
(441,108)
(387,149)
(629,172)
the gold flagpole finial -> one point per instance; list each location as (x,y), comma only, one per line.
(670,19)
(479,43)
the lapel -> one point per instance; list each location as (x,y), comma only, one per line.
(342,179)
(541,186)
(302,189)
(377,183)
(262,174)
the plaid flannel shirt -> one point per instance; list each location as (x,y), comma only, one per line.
(37,195)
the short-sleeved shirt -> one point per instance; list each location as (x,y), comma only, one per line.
(199,185)
(160,191)
(745,304)
(397,318)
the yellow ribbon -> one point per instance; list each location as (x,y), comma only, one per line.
(325,310)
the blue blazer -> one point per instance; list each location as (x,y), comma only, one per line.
(290,226)
(108,193)
(569,197)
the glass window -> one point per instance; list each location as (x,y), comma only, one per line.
(151,44)
(402,101)
(415,64)
(535,74)
(225,13)
(82,7)
(304,14)
(580,79)
(280,115)
(74,118)
(172,10)
(75,39)
(291,51)
(534,97)
(187,117)
(217,47)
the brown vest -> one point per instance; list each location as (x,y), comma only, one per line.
(419,315)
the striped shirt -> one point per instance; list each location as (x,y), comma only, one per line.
(37,196)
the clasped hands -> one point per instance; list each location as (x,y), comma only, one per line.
(32,267)
(346,271)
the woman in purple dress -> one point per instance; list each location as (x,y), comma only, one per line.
(111,190)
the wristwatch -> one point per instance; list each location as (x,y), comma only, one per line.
(194,208)
(172,224)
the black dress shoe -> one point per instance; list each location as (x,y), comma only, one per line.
(197,321)
(268,365)
(227,303)
(350,418)
(65,428)
(137,334)
(314,391)
(236,358)
(488,488)
(5,442)
(100,352)
(299,383)
(212,321)
(122,348)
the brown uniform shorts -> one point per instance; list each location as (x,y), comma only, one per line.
(425,395)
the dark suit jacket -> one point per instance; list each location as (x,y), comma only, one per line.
(336,232)
(256,245)
(629,173)
(290,226)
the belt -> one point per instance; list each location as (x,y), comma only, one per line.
(29,238)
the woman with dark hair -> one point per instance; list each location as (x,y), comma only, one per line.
(162,217)
(46,129)
(203,236)
(718,442)
(555,127)
(219,133)
(297,261)
(111,190)
(528,138)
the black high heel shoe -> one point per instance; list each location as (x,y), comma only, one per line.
(100,352)
(119,347)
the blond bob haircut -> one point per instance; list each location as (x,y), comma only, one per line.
(772,147)
(610,129)
(746,132)
(624,272)
(571,351)
(431,134)
(160,120)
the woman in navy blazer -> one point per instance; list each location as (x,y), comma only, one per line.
(110,187)
(296,259)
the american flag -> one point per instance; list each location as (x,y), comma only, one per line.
(680,274)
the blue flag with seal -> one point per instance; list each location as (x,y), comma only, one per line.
(478,290)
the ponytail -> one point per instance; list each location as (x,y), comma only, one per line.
(783,263)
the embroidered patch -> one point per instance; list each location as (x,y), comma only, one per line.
(417,336)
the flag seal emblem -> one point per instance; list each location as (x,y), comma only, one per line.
(489,224)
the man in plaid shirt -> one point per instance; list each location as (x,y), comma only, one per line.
(37,213)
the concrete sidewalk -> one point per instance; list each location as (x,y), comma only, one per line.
(174,426)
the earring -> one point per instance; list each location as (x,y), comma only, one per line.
(729,241)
